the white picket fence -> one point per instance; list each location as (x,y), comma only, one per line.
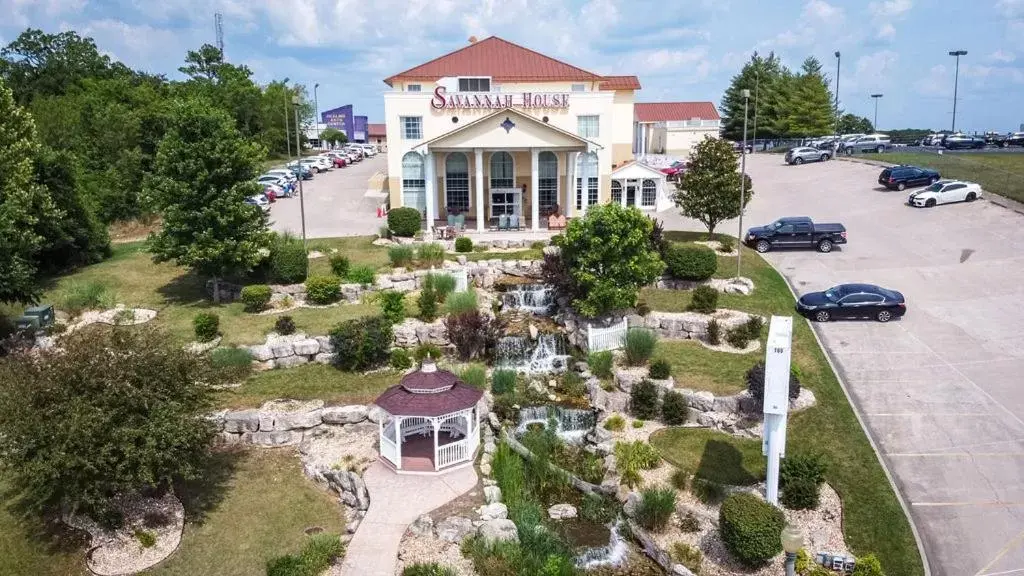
(461,279)
(611,338)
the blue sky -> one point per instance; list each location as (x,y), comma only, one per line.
(683,50)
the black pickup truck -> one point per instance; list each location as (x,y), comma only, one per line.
(795,233)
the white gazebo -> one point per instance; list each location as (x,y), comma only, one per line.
(431,422)
(637,184)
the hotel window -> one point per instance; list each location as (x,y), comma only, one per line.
(648,193)
(456,182)
(413,87)
(503,199)
(414,183)
(474,84)
(412,127)
(587,126)
(586,179)
(547,183)
(616,192)
(579,87)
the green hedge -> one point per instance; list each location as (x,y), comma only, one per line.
(255,297)
(289,263)
(751,528)
(205,325)
(323,289)
(362,343)
(691,261)
(404,221)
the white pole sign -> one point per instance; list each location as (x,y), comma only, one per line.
(776,398)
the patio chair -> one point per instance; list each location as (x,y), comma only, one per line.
(513,222)
(556,222)
(451,219)
(460,223)
(503,222)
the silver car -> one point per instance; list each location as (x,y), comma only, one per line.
(871,143)
(803,154)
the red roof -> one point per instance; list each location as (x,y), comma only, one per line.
(674,111)
(376,129)
(620,83)
(501,60)
(426,393)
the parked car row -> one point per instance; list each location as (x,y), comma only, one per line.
(282,182)
(961,141)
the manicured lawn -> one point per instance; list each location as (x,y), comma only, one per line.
(528,254)
(309,382)
(1001,174)
(712,455)
(694,366)
(27,547)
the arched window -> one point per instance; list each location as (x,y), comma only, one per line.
(547,184)
(456,182)
(414,183)
(648,193)
(503,199)
(616,192)
(586,179)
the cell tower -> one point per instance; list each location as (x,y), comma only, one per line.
(218,24)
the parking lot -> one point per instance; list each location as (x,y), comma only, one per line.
(941,391)
(336,203)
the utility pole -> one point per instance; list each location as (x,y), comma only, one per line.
(743,180)
(296,101)
(287,132)
(218,26)
(835,144)
(956,81)
(876,97)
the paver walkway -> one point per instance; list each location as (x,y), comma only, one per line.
(395,502)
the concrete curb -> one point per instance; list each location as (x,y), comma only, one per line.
(871,439)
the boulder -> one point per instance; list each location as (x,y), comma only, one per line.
(680,570)
(562,511)
(495,511)
(351,414)
(703,401)
(242,421)
(455,529)
(290,414)
(626,378)
(490,447)
(282,349)
(227,438)
(307,347)
(261,353)
(729,404)
(617,402)
(492,419)
(324,358)
(375,413)
(291,361)
(359,489)
(325,343)
(422,526)
(632,501)
(492,494)
(485,469)
(600,434)
(501,530)
(803,401)
(273,438)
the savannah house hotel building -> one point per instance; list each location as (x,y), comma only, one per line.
(498,133)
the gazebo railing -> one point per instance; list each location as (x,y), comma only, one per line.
(389,451)
(454,453)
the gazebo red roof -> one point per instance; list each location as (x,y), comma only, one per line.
(428,392)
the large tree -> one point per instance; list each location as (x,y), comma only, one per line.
(228,86)
(608,256)
(334,136)
(204,172)
(40,64)
(809,108)
(763,77)
(709,190)
(114,411)
(853,124)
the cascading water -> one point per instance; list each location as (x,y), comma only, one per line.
(520,354)
(534,298)
(572,424)
(611,555)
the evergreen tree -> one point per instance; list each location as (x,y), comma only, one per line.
(853,124)
(809,110)
(760,75)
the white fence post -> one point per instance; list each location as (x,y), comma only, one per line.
(590,338)
(461,280)
(609,338)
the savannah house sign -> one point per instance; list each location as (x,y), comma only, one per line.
(496,100)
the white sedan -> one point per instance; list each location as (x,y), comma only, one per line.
(945,191)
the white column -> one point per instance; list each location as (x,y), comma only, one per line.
(431,192)
(398,442)
(479,184)
(534,193)
(433,423)
(570,208)
(622,197)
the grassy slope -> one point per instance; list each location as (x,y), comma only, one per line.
(1001,174)
(308,382)
(712,455)
(873,519)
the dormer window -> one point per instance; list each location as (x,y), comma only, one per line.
(474,84)
(413,87)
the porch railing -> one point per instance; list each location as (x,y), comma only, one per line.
(389,451)
(461,279)
(611,338)
(453,453)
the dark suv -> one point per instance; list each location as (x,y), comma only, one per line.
(902,177)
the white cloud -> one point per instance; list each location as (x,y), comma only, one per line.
(823,11)
(872,72)
(817,20)
(890,8)
(1011,8)
(937,81)
(1002,56)
(886,32)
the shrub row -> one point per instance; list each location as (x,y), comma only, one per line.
(429,255)
(645,404)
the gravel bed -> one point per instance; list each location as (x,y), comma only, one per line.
(350,447)
(432,549)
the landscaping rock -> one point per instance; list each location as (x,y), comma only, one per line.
(632,501)
(455,529)
(325,343)
(495,511)
(492,494)
(730,404)
(290,414)
(273,438)
(492,419)
(242,421)
(501,530)
(291,361)
(324,358)
(490,447)
(375,413)
(702,401)
(351,414)
(362,494)
(562,511)
(625,378)
(261,353)
(263,366)
(485,469)
(680,570)
(489,482)
(803,401)
(282,349)
(600,434)
(307,347)
(422,526)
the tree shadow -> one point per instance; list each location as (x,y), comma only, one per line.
(723,463)
(47,530)
(204,494)
(185,289)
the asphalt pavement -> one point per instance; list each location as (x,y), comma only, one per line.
(942,390)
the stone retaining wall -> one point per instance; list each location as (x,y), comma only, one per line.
(287,422)
(290,351)
(744,286)
(687,325)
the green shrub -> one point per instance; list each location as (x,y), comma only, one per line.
(688,556)
(503,381)
(316,556)
(78,296)
(680,479)
(475,375)
(738,337)
(146,538)
(444,284)
(661,369)
(655,508)
(800,494)
(800,476)
(384,232)
(537,245)
(638,423)
(714,334)
(673,408)
(640,344)
(284,325)
(205,325)
(255,297)
(236,363)
(428,569)
(572,385)
(598,509)
(323,289)
(286,565)
(460,302)
(868,566)
(361,343)
(400,255)
(751,528)
(754,326)
(755,382)
(430,254)
(600,364)
(643,400)
(615,423)
(405,221)
(362,274)
(427,300)
(632,457)
(704,299)
(726,244)
(289,263)
(339,265)
(691,262)
(707,491)
(463,244)
(392,306)
(400,359)
(424,351)
(689,522)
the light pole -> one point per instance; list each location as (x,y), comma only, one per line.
(296,101)
(743,179)
(876,97)
(956,81)
(316,118)
(287,132)
(792,542)
(835,144)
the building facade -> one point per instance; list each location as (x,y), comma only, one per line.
(673,128)
(495,129)
(377,134)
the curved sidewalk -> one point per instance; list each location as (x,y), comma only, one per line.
(396,501)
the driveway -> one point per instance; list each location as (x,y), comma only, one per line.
(942,391)
(336,203)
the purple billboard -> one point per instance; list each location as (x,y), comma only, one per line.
(359,129)
(339,118)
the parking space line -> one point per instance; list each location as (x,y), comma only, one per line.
(1015,542)
(1011,503)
